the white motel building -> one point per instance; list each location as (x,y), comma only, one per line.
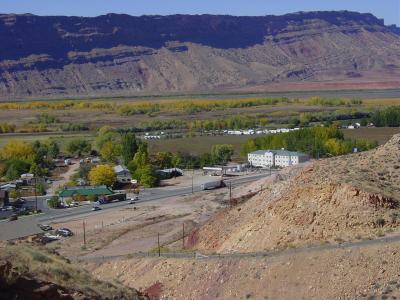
(276,158)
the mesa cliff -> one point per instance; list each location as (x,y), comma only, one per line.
(113,54)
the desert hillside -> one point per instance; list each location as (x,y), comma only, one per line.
(32,272)
(331,200)
(113,54)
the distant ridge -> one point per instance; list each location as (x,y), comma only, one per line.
(118,54)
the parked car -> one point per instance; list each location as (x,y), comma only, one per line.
(23,211)
(13,217)
(75,203)
(133,200)
(96,208)
(48,237)
(45,227)
(65,232)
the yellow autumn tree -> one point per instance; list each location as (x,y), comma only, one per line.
(102,175)
(333,147)
(16,149)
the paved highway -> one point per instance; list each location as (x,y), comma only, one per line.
(152,194)
(27,225)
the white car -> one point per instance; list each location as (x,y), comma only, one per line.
(52,236)
(133,200)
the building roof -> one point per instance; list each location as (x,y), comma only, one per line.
(119,168)
(86,191)
(171,170)
(279,152)
(261,152)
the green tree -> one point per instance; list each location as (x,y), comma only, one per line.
(83,171)
(164,160)
(140,159)
(15,168)
(37,170)
(78,147)
(41,189)
(107,134)
(54,202)
(221,154)
(146,176)
(129,146)
(54,149)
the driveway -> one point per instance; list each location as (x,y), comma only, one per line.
(65,177)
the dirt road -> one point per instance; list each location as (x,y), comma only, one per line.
(65,177)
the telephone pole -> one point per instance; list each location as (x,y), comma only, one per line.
(192,181)
(230,193)
(35,194)
(183,235)
(84,233)
(158,242)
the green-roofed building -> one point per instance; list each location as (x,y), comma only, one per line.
(85,191)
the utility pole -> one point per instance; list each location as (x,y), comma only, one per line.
(230,193)
(158,242)
(35,194)
(84,233)
(183,235)
(192,181)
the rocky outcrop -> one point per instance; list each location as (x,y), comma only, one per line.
(121,54)
(338,199)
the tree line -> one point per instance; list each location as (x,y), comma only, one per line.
(19,157)
(387,117)
(315,141)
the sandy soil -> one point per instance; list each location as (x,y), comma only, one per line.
(362,273)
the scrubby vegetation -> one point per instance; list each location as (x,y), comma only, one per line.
(7,128)
(190,106)
(387,117)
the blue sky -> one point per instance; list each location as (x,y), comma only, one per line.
(387,9)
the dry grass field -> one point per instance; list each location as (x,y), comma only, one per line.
(381,135)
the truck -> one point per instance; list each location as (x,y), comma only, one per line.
(112,198)
(212,185)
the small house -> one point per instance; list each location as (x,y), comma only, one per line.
(123,174)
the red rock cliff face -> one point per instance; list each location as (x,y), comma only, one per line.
(121,54)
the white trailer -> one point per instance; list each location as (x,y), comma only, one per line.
(212,185)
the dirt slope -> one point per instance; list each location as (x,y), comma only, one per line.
(31,272)
(344,198)
(366,273)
